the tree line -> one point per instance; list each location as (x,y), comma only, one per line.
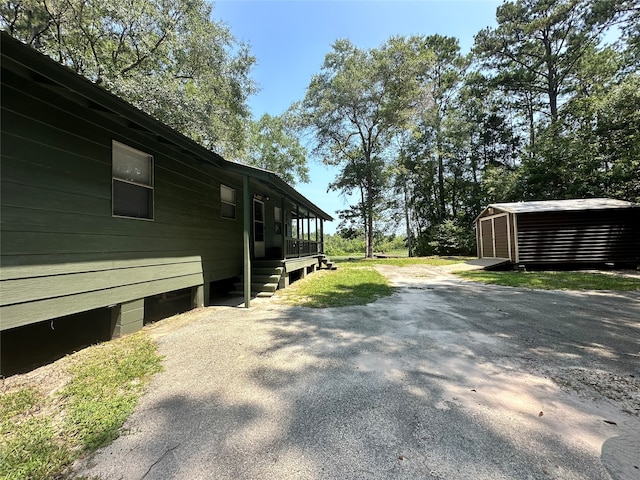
(545,106)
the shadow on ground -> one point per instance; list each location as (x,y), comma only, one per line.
(444,379)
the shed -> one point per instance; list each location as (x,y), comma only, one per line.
(104,207)
(587,231)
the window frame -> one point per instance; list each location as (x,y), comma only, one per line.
(150,188)
(224,202)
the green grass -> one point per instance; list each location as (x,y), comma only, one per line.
(28,447)
(355,285)
(554,280)
(41,435)
(356,282)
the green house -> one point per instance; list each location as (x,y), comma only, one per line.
(104,207)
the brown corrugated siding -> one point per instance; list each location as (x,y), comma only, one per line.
(586,237)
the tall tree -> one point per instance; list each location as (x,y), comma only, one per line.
(537,44)
(537,53)
(165,56)
(353,106)
(272,145)
(441,81)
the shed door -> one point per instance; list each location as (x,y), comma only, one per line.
(501,236)
(486,238)
(494,237)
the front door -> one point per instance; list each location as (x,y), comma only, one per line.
(258,229)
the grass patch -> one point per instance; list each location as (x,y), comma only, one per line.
(28,446)
(356,282)
(554,280)
(41,435)
(356,285)
(403,261)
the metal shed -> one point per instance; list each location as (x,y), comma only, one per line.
(596,230)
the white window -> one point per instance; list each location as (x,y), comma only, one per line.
(132,182)
(227,202)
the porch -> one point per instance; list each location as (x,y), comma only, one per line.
(288,244)
(267,276)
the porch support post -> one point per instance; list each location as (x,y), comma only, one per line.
(246,204)
(322,235)
(298,227)
(283,229)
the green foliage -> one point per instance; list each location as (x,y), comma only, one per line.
(338,245)
(447,238)
(273,146)
(554,280)
(338,288)
(353,106)
(166,57)
(40,436)
(392,244)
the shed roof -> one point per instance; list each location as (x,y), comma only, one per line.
(563,205)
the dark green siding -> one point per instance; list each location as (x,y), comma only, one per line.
(62,251)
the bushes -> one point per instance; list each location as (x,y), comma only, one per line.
(447,238)
(339,246)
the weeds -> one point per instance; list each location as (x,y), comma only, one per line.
(41,435)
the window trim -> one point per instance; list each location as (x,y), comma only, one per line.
(234,204)
(150,187)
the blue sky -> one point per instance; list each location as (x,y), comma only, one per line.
(291,38)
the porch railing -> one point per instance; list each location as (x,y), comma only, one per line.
(302,248)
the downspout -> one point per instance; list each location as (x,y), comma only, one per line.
(247,251)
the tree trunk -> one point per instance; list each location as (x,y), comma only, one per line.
(406,218)
(368,231)
(370,236)
(552,88)
(532,125)
(442,207)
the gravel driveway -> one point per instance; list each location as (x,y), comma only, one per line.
(445,379)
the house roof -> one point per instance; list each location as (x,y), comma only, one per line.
(32,64)
(561,205)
